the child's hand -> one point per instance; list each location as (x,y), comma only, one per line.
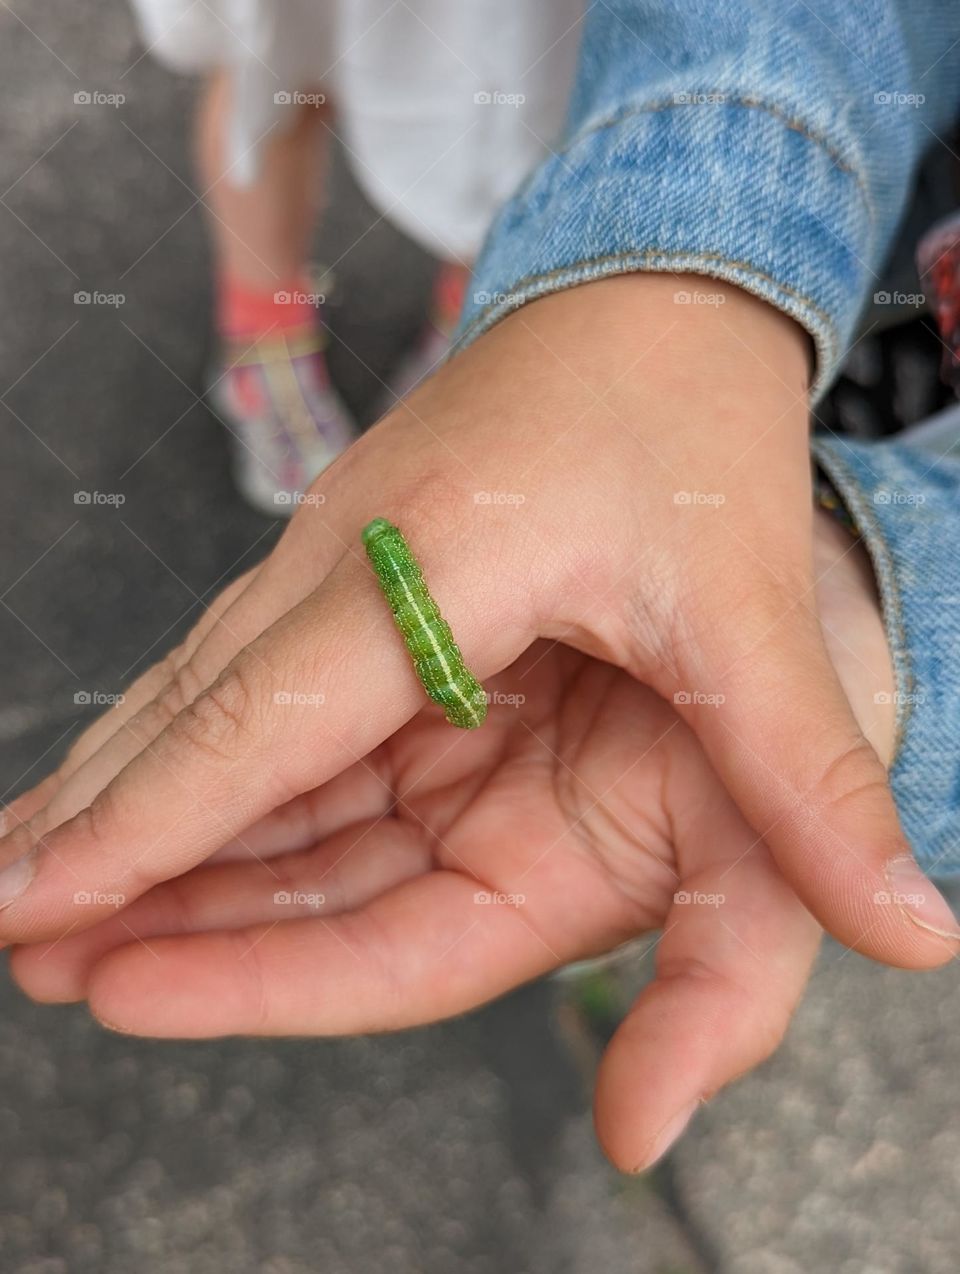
(661,454)
(581,816)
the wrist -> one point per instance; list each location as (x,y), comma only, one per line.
(704,330)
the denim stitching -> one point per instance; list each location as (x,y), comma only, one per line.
(750,103)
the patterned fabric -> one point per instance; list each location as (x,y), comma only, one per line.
(286,420)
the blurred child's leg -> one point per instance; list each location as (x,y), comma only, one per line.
(271,388)
(261,232)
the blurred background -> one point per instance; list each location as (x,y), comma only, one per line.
(461,1149)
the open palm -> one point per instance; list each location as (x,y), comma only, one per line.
(446,868)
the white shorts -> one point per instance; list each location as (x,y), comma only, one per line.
(444,106)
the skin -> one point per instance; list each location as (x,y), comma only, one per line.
(682,727)
(260,232)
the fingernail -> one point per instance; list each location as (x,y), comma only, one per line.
(919,898)
(667,1136)
(15,877)
(112,1026)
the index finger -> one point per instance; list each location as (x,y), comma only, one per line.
(312,695)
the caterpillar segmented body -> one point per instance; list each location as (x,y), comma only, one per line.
(436,656)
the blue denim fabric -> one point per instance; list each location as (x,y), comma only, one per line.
(789,179)
(903,495)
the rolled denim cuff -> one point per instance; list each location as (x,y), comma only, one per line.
(736,190)
(904,500)
(710,137)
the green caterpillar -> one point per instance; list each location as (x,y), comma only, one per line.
(436,656)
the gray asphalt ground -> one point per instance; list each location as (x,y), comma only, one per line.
(463,1149)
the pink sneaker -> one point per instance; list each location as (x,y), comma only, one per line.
(286,421)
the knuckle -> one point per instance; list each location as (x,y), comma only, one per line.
(733,1013)
(432,499)
(183,688)
(220,723)
(853,777)
(165,672)
(21,838)
(179,688)
(185,684)
(577,568)
(100,818)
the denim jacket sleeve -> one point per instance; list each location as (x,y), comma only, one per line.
(903,496)
(768,145)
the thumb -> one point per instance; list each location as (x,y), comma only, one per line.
(769,710)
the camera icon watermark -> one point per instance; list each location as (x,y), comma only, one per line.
(502,499)
(98,898)
(899,99)
(299,898)
(496,898)
(899,497)
(93,97)
(708,499)
(893,898)
(294,97)
(699,297)
(298,498)
(699,99)
(697,898)
(111,299)
(114,498)
(914,299)
(902,698)
(699,698)
(299,298)
(496,98)
(498,298)
(299,698)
